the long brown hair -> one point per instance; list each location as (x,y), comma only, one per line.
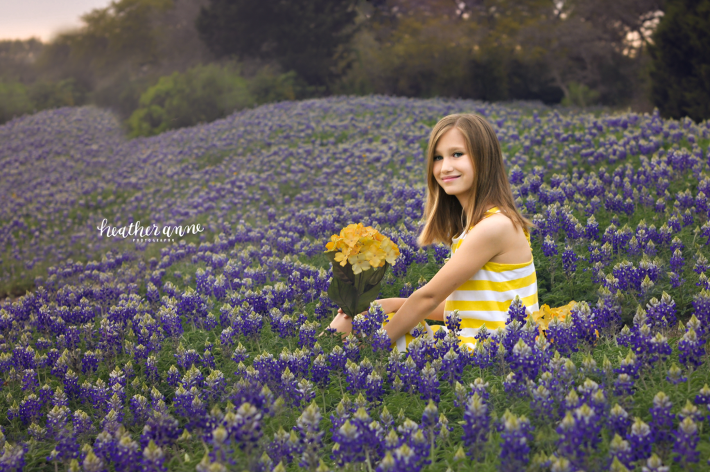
(444,215)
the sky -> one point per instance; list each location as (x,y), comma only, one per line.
(23,19)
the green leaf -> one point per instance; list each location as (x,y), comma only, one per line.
(352,292)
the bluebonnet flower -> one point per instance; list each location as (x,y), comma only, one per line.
(320,373)
(29,380)
(549,247)
(542,402)
(640,439)
(661,314)
(92,463)
(619,450)
(307,334)
(476,426)
(562,336)
(654,464)
(516,312)
(522,361)
(66,446)
(406,290)
(215,384)
(677,261)
(351,348)
(675,279)
(690,411)
(173,376)
(208,357)
(337,358)
(151,368)
(349,444)
(419,350)
(71,384)
(381,340)
(160,427)
(310,436)
(244,425)
(691,349)
(286,326)
(374,387)
(569,260)
(139,407)
(629,365)
(29,408)
(579,435)
(452,366)
(618,421)
(240,354)
(283,446)
(126,455)
(686,442)
(82,422)
(57,419)
(516,434)
(662,419)
(659,348)
(481,356)
(428,383)
(153,459)
(703,397)
(634,248)
(701,306)
(701,264)
(624,385)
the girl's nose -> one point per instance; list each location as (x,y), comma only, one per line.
(447,165)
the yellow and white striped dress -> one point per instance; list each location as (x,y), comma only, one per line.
(486,297)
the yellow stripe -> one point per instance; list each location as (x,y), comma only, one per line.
(515,284)
(483,305)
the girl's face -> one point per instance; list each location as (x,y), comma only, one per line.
(453,168)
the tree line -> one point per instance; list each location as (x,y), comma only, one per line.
(162,64)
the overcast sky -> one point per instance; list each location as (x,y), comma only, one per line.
(23,19)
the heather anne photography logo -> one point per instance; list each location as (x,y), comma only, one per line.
(150,233)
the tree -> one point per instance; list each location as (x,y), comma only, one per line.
(600,44)
(680,77)
(306,36)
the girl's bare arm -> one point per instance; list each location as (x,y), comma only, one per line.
(390,305)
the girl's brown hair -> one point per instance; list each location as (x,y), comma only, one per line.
(444,215)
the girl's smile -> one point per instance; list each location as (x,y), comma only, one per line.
(450,179)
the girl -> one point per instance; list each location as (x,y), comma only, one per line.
(491,259)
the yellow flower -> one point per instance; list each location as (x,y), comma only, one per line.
(372,247)
(359,263)
(543,316)
(342,258)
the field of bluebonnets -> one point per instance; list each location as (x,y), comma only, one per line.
(205,355)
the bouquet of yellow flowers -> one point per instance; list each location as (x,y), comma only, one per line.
(360,256)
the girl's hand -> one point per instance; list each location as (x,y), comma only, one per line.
(342,323)
(346,316)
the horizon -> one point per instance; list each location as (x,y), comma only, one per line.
(43,19)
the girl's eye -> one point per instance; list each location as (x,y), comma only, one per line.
(436,158)
(458,153)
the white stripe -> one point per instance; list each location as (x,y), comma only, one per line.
(468,332)
(505,276)
(492,296)
(401,344)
